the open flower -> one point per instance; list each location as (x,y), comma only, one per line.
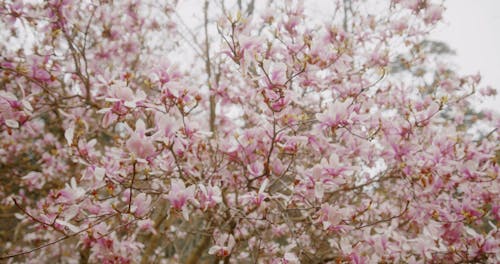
(167,127)
(138,143)
(433,13)
(336,115)
(276,72)
(261,195)
(332,217)
(120,92)
(256,198)
(223,245)
(71,194)
(179,196)
(34,180)
(140,204)
(289,258)
(209,196)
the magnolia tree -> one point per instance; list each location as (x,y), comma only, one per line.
(255,132)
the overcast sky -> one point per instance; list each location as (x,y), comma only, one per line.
(472,29)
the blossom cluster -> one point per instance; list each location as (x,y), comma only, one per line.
(264,134)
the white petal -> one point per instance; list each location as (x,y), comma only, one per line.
(319,190)
(203,189)
(8,95)
(99,173)
(130,104)
(68,225)
(471,231)
(109,99)
(141,160)
(103,110)
(27,105)
(73,183)
(71,212)
(19,216)
(213,250)
(263,186)
(69,133)
(12,123)
(185,213)
(140,126)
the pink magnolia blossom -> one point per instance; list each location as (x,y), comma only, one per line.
(336,115)
(34,180)
(146,225)
(179,196)
(433,13)
(224,243)
(138,143)
(210,196)
(140,205)
(71,194)
(261,195)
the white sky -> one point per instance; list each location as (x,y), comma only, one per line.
(472,29)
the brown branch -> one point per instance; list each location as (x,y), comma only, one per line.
(387,219)
(55,241)
(38,220)
(209,71)
(154,239)
(198,251)
(130,188)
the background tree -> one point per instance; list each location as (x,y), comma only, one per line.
(266,134)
